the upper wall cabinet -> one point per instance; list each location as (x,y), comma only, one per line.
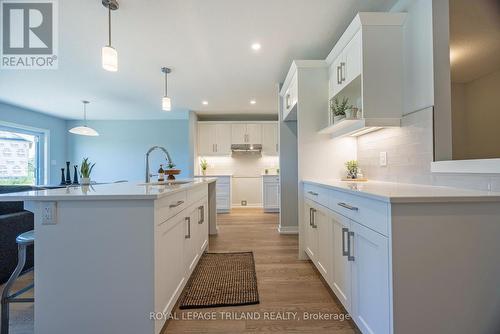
(249,133)
(214,139)
(366,71)
(290,99)
(270,138)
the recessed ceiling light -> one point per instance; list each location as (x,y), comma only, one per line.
(256,46)
(253,102)
(204,103)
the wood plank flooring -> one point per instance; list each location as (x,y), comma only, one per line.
(285,284)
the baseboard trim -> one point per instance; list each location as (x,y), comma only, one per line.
(288,229)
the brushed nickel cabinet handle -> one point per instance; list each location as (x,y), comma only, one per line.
(314,218)
(345,231)
(342,71)
(339,78)
(312,193)
(310,216)
(202,214)
(287,101)
(350,246)
(347,206)
(176,204)
(188,236)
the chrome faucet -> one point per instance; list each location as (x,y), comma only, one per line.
(148,173)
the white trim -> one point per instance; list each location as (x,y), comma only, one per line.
(476,166)
(237,122)
(288,229)
(46,145)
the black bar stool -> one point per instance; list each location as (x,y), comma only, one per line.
(23,241)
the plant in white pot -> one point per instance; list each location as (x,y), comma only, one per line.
(339,109)
(85,171)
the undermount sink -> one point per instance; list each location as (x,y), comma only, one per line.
(166,183)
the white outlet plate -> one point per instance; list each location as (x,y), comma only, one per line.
(49,213)
(383,159)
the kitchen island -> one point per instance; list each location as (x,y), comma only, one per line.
(108,257)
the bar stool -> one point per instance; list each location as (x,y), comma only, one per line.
(23,241)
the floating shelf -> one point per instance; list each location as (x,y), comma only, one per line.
(357,127)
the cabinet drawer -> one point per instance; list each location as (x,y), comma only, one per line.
(223,189)
(197,193)
(271,179)
(317,194)
(171,205)
(368,212)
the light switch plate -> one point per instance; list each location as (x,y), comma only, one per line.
(383,159)
(49,213)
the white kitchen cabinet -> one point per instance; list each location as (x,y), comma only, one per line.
(223,189)
(341,271)
(202,225)
(271,193)
(270,138)
(246,133)
(347,66)
(310,232)
(214,139)
(290,93)
(324,227)
(369,254)
(191,249)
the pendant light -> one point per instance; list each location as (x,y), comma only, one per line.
(166,103)
(84,130)
(109,54)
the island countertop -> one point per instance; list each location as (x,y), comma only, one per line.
(113,191)
(393,192)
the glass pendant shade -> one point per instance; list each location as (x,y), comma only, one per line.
(166,103)
(109,58)
(84,131)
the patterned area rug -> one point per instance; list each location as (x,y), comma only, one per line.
(222,279)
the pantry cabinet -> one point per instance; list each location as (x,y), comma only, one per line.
(214,139)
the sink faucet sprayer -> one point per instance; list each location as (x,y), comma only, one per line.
(148,174)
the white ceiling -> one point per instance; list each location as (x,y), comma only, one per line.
(206,43)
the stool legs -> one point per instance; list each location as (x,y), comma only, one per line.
(6,298)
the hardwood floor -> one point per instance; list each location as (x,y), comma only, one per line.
(285,284)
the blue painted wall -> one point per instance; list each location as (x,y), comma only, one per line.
(55,126)
(119,151)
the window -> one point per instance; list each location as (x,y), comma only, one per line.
(20,157)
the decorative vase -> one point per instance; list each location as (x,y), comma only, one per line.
(338,118)
(203,172)
(63,179)
(354,112)
(85,180)
(68,173)
(75,175)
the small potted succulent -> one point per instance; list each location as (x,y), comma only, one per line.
(339,109)
(86,168)
(171,171)
(204,166)
(352,169)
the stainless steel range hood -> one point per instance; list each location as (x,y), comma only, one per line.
(246,148)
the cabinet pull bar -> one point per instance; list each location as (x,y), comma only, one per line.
(347,206)
(342,71)
(345,252)
(312,193)
(188,236)
(176,204)
(314,219)
(350,246)
(310,216)
(202,214)
(339,80)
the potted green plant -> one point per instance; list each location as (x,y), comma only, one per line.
(204,166)
(86,168)
(338,108)
(171,171)
(352,169)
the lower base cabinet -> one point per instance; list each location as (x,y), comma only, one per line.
(354,261)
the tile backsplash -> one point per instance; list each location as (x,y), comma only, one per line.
(409,156)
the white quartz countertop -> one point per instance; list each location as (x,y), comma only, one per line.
(214,175)
(114,191)
(407,193)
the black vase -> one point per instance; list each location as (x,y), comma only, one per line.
(68,173)
(75,175)
(63,181)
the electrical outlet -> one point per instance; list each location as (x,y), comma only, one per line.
(383,159)
(243,203)
(49,213)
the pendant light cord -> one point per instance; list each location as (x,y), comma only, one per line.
(166,83)
(109,24)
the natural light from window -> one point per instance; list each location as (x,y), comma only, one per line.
(18,158)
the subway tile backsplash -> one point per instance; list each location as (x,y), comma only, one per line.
(409,156)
